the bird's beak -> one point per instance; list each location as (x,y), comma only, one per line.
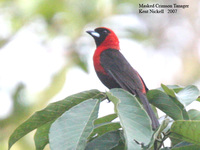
(93,34)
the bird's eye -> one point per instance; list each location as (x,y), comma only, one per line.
(105,31)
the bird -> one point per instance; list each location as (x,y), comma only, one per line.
(114,71)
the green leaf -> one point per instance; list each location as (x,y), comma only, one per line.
(187,95)
(182,144)
(168,91)
(42,136)
(171,106)
(185,146)
(186,130)
(120,146)
(103,128)
(71,130)
(194,114)
(175,88)
(166,148)
(104,119)
(105,142)
(174,141)
(51,112)
(134,120)
(158,132)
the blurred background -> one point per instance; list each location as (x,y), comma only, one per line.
(46,55)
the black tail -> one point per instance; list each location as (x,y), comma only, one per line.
(149,110)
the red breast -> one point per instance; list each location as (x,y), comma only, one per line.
(109,41)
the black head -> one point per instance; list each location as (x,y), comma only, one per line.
(99,34)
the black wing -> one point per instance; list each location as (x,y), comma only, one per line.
(116,66)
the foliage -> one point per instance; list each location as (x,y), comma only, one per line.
(73,123)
